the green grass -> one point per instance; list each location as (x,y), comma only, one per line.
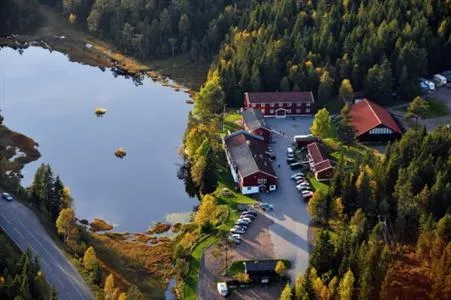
(231,122)
(237,266)
(190,287)
(317,185)
(437,108)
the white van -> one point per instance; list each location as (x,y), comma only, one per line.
(290,152)
(222,289)
(439,80)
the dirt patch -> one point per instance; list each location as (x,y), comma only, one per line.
(18,143)
(256,244)
(159,228)
(100,225)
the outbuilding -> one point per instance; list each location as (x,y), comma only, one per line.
(281,104)
(249,163)
(373,123)
(320,165)
(260,270)
(254,122)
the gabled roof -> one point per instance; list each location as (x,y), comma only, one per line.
(366,115)
(320,162)
(317,152)
(247,153)
(253,119)
(260,266)
(282,97)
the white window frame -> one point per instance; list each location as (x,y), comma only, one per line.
(298,111)
(307,110)
(272,104)
(262,180)
(271,111)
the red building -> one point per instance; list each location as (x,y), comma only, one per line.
(253,121)
(320,165)
(281,104)
(249,164)
(373,123)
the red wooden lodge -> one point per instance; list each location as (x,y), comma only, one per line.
(281,104)
(249,163)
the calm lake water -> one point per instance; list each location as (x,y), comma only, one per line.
(52,100)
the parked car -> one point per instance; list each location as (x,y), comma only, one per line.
(249,220)
(439,80)
(236,236)
(245,221)
(300,180)
(307,196)
(304,188)
(266,206)
(249,212)
(234,240)
(295,165)
(249,216)
(222,289)
(291,160)
(306,193)
(429,83)
(242,223)
(447,75)
(448,85)
(290,152)
(7,197)
(303,184)
(237,230)
(297,175)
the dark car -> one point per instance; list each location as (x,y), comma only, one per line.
(291,160)
(295,165)
(7,197)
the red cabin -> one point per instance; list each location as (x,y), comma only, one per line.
(320,165)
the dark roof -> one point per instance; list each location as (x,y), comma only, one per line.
(274,97)
(260,266)
(320,162)
(247,152)
(366,115)
(253,119)
(317,152)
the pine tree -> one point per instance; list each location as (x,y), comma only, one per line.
(323,257)
(346,286)
(286,293)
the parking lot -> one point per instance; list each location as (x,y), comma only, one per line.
(289,229)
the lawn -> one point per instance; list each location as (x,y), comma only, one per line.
(436,108)
(190,287)
(238,267)
(317,185)
(231,122)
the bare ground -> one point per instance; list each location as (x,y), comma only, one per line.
(256,244)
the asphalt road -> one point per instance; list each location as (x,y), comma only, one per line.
(23,227)
(289,231)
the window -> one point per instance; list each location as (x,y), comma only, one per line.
(253,105)
(308,104)
(280,104)
(263,111)
(261,180)
(272,104)
(298,104)
(298,111)
(249,188)
(271,111)
(288,111)
(307,110)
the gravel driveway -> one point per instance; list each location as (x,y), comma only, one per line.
(290,229)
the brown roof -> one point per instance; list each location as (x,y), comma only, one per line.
(247,153)
(320,162)
(253,119)
(316,152)
(366,115)
(274,97)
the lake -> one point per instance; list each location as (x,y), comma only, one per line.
(52,100)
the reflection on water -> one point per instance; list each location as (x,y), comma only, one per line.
(52,100)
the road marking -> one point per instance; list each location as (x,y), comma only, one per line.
(19,233)
(7,220)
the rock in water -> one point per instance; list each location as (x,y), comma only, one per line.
(120,152)
(100,111)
